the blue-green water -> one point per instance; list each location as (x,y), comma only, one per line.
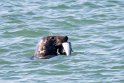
(95,28)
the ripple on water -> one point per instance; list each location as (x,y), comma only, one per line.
(95,29)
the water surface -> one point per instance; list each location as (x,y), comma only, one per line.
(95,28)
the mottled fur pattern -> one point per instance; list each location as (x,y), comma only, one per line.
(50,46)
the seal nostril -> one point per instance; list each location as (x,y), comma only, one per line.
(52,38)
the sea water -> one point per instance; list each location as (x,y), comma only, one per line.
(94,27)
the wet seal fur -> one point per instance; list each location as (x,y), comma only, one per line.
(50,46)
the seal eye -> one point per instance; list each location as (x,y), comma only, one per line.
(52,37)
